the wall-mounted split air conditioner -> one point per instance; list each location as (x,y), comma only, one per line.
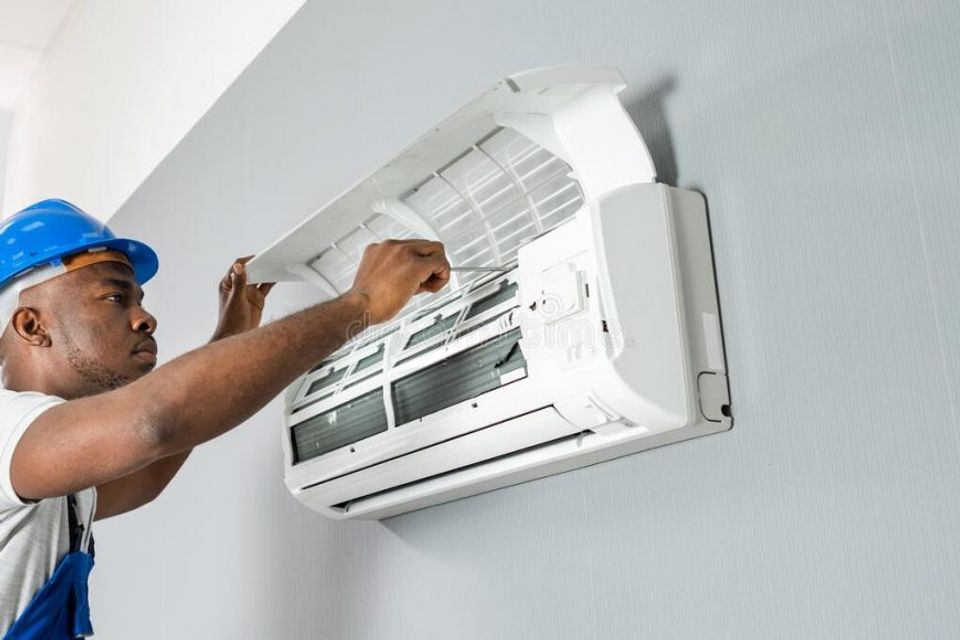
(602,339)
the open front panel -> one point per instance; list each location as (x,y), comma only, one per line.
(516,161)
(500,192)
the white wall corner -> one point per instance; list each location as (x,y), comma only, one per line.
(119,86)
(6,119)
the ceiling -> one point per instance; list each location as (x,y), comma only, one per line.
(26,30)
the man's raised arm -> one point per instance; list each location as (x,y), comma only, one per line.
(206,392)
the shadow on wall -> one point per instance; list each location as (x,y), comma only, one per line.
(648,112)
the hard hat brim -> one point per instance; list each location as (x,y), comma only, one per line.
(142,258)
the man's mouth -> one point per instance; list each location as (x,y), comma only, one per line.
(146,351)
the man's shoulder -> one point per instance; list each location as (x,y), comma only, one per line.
(10,393)
(25,400)
(16,406)
(18,410)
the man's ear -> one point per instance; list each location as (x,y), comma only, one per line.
(26,322)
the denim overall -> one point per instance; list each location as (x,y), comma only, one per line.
(59,610)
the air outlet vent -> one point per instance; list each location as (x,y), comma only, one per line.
(360,418)
(461,377)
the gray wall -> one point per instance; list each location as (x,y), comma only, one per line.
(824,135)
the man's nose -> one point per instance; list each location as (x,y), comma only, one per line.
(144,322)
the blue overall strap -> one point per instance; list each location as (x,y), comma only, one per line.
(81,597)
(76,527)
(60,610)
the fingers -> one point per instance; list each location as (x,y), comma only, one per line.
(432,285)
(427,247)
(239,262)
(238,275)
(420,246)
(237,268)
(232,286)
(226,284)
(412,241)
(392,271)
(436,273)
(265,288)
(237,279)
(431,259)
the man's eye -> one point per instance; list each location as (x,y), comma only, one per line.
(115,297)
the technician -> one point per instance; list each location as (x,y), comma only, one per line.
(88,428)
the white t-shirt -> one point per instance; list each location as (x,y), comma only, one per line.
(33,536)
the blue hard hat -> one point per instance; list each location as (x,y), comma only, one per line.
(50,230)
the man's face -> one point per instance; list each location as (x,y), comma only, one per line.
(98,327)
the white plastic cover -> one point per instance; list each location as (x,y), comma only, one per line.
(497,173)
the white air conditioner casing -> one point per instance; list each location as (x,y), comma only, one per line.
(601,338)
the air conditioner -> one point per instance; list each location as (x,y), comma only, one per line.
(600,337)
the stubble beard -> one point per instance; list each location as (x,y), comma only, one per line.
(98,375)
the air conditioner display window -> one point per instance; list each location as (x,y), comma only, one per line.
(346,424)
(507,291)
(461,377)
(438,327)
(333,376)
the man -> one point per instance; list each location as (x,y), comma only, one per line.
(89,430)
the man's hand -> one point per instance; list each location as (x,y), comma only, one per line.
(393,271)
(241,304)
